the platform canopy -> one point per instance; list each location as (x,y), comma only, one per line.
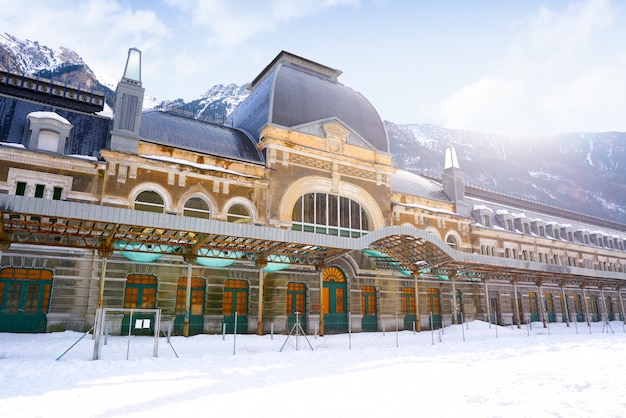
(404,248)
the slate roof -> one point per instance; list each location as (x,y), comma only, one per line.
(291,94)
(195,135)
(90,130)
(411,184)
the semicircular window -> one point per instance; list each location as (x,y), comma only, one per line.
(452,242)
(330,214)
(149,201)
(197,208)
(239,214)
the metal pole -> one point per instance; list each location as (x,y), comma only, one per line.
(542,304)
(432,330)
(321,280)
(488,304)
(586,308)
(396,329)
(621,302)
(259,329)
(157,328)
(565,304)
(235,334)
(130,327)
(187,302)
(454,307)
(103,268)
(417,304)
(349,331)
(517,315)
(462,328)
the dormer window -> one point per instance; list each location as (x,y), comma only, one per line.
(48,131)
(482,214)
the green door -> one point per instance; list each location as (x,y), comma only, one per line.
(408,308)
(296,305)
(369,309)
(609,308)
(549,300)
(196,316)
(434,307)
(594,308)
(140,294)
(578,307)
(565,308)
(494,303)
(533,306)
(24,299)
(459,306)
(235,306)
(335,301)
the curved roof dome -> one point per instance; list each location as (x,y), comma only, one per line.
(294,91)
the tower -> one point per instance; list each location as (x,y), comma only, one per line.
(128,105)
(454,181)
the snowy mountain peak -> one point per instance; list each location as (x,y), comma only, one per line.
(25,56)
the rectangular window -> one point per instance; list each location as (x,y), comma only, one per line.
(20,188)
(39,190)
(56,194)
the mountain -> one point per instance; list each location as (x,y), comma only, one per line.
(583,172)
(214,105)
(62,64)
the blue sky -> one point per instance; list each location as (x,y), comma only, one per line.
(489,65)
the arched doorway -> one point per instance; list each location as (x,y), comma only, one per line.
(549,307)
(235,304)
(24,299)
(369,309)
(140,294)
(434,307)
(335,300)
(296,305)
(196,317)
(533,306)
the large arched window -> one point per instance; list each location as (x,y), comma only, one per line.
(330,214)
(197,208)
(149,201)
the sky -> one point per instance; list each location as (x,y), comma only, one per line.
(475,370)
(487,65)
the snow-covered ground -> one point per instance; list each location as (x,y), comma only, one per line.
(475,371)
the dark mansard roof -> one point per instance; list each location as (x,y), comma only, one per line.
(294,91)
(196,135)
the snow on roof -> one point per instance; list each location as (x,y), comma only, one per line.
(49,115)
(191,164)
(437,210)
(482,207)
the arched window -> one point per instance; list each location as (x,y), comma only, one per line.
(197,208)
(149,201)
(330,214)
(452,242)
(239,214)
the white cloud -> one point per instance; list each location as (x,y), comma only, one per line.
(552,79)
(230,23)
(101,31)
